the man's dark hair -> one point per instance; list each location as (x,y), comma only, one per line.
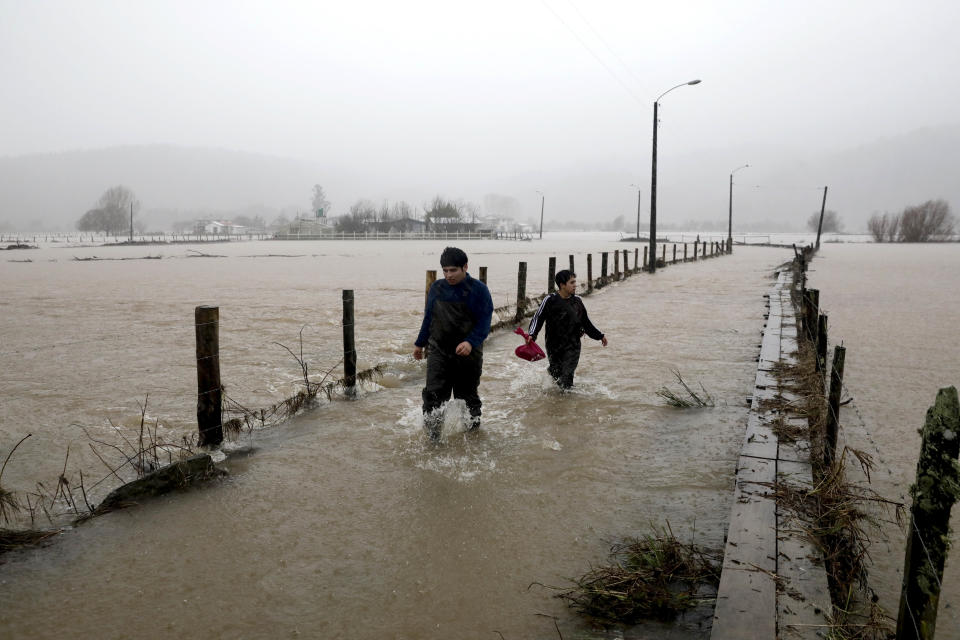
(563,276)
(453,257)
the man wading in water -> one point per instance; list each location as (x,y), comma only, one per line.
(567,321)
(456,321)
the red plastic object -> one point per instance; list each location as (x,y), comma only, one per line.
(528,350)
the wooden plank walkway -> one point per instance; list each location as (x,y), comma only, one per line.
(773,584)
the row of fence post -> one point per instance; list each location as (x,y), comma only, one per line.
(937,485)
(814,328)
(153,237)
(207,321)
(209,385)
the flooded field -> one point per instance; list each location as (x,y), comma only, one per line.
(896,309)
(345,521)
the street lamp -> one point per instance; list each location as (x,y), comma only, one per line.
(638,210)
(653,180)
(542,199)
(730,218)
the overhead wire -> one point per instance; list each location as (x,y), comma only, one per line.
(592,53)
(604,41)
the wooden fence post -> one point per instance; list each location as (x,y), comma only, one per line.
(636,260)
(603,268)
(833,406)
(483,275)
(684,251)
(349,345)
(822,344)
(933,494)
(209,389)
(616,265)
(696,246)
(589,272)
(571,264)
(645,267)
(811,310)
(663,257)
(551,273)
(626,261)
(521,290)
(674,253)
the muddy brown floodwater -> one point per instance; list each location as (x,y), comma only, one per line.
(896,307)
(345,521)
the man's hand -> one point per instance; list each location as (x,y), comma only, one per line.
(530,339)
(417,353)
(603,340)
(464,348)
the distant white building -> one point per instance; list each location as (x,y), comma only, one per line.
(219,228)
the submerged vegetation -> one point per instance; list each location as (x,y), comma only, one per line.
(834,514)
(688,398)
(653,577)
(142,464)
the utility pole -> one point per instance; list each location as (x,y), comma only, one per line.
(638,215)
(542,199)
(653,196)
(823,206)
(653,180)
(730,218)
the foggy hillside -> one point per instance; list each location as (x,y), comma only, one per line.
(781,187)
(56,189)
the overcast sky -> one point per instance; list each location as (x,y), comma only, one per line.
(450,90)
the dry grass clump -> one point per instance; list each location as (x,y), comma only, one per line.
(12,539)
(691,399)
(653,577)
(289,407)
(9,505)
(836,515)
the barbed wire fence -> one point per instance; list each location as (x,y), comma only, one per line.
(866,433)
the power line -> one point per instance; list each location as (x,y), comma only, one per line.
(605,43)
(592,53)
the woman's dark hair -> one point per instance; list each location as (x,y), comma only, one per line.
(453,257)
(563,277)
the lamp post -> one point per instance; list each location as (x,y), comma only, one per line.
(730,218)
(653,180)
(638,210)
(542,199)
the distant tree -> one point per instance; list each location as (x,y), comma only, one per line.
(443,211)
(831,222)
(104,221)
(401,210)
(877,226)
(927,222)
(119,197)
(362,213)
(112,214)
(319,201)
(280,223)
(616,224)
(884,228)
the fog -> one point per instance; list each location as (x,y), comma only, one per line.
(394,101)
